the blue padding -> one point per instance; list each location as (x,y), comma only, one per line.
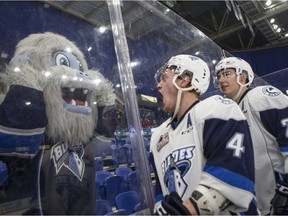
(20,144)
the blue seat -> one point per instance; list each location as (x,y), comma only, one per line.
(123,171)
(132,181)
(114,185)
(3,173)
(123,155)
(100,178)
(103,207)
(101,175)
(98,164)
(97,189)
(128,200)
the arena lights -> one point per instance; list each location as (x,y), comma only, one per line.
(268,3)
(148,98)
(277,28)
(102,29)
(134,63)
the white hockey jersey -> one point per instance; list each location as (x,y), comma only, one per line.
(211,145)
(266,110)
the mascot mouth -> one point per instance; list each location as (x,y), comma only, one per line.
(75,96)
(76,100)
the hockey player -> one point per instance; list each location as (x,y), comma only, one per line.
(266,109)
(203,154)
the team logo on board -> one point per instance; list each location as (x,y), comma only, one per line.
(271,91)
(223,100)
(163,140)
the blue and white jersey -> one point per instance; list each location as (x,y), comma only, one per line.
(266,110)
(22,122)
(211,145)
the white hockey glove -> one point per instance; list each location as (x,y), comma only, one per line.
(171,205)
(280,200)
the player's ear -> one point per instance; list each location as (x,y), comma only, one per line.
(243,77)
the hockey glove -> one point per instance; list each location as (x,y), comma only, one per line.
(280,199)
(172,205)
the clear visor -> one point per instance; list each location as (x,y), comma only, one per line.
(159,73)
(224,74)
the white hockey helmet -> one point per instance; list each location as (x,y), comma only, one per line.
(192,66)
(239,65)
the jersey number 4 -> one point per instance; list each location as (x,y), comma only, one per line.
(236,144)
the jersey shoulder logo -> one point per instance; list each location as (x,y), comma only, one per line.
(271,91)
(63,157)
(223,100)
(163,140)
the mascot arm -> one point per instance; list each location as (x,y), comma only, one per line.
(22,121)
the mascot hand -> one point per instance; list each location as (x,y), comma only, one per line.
(280,200)
(171,205)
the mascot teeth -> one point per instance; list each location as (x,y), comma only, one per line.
(75,96)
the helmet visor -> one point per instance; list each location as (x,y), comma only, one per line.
(159,73)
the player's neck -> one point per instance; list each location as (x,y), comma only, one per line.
(239,96)
(186,102)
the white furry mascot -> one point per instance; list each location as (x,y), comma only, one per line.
(52,105)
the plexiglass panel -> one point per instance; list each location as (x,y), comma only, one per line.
(78,101)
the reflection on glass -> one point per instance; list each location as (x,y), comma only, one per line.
(153,36)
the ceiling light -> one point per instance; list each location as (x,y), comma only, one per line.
(102,29)
(268,3)
(275,26)
(272,20)
(278,30)
(286,35)
(135,63)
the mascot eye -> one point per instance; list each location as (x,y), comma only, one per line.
(61,59)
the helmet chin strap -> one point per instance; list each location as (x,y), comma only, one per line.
(179,95)
(239,93)
(237,96)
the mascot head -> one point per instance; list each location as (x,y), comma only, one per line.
(72,93)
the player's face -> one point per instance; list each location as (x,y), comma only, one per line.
(167,90)
(228,82)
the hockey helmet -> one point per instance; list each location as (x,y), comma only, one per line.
(239,65)
(189,65)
